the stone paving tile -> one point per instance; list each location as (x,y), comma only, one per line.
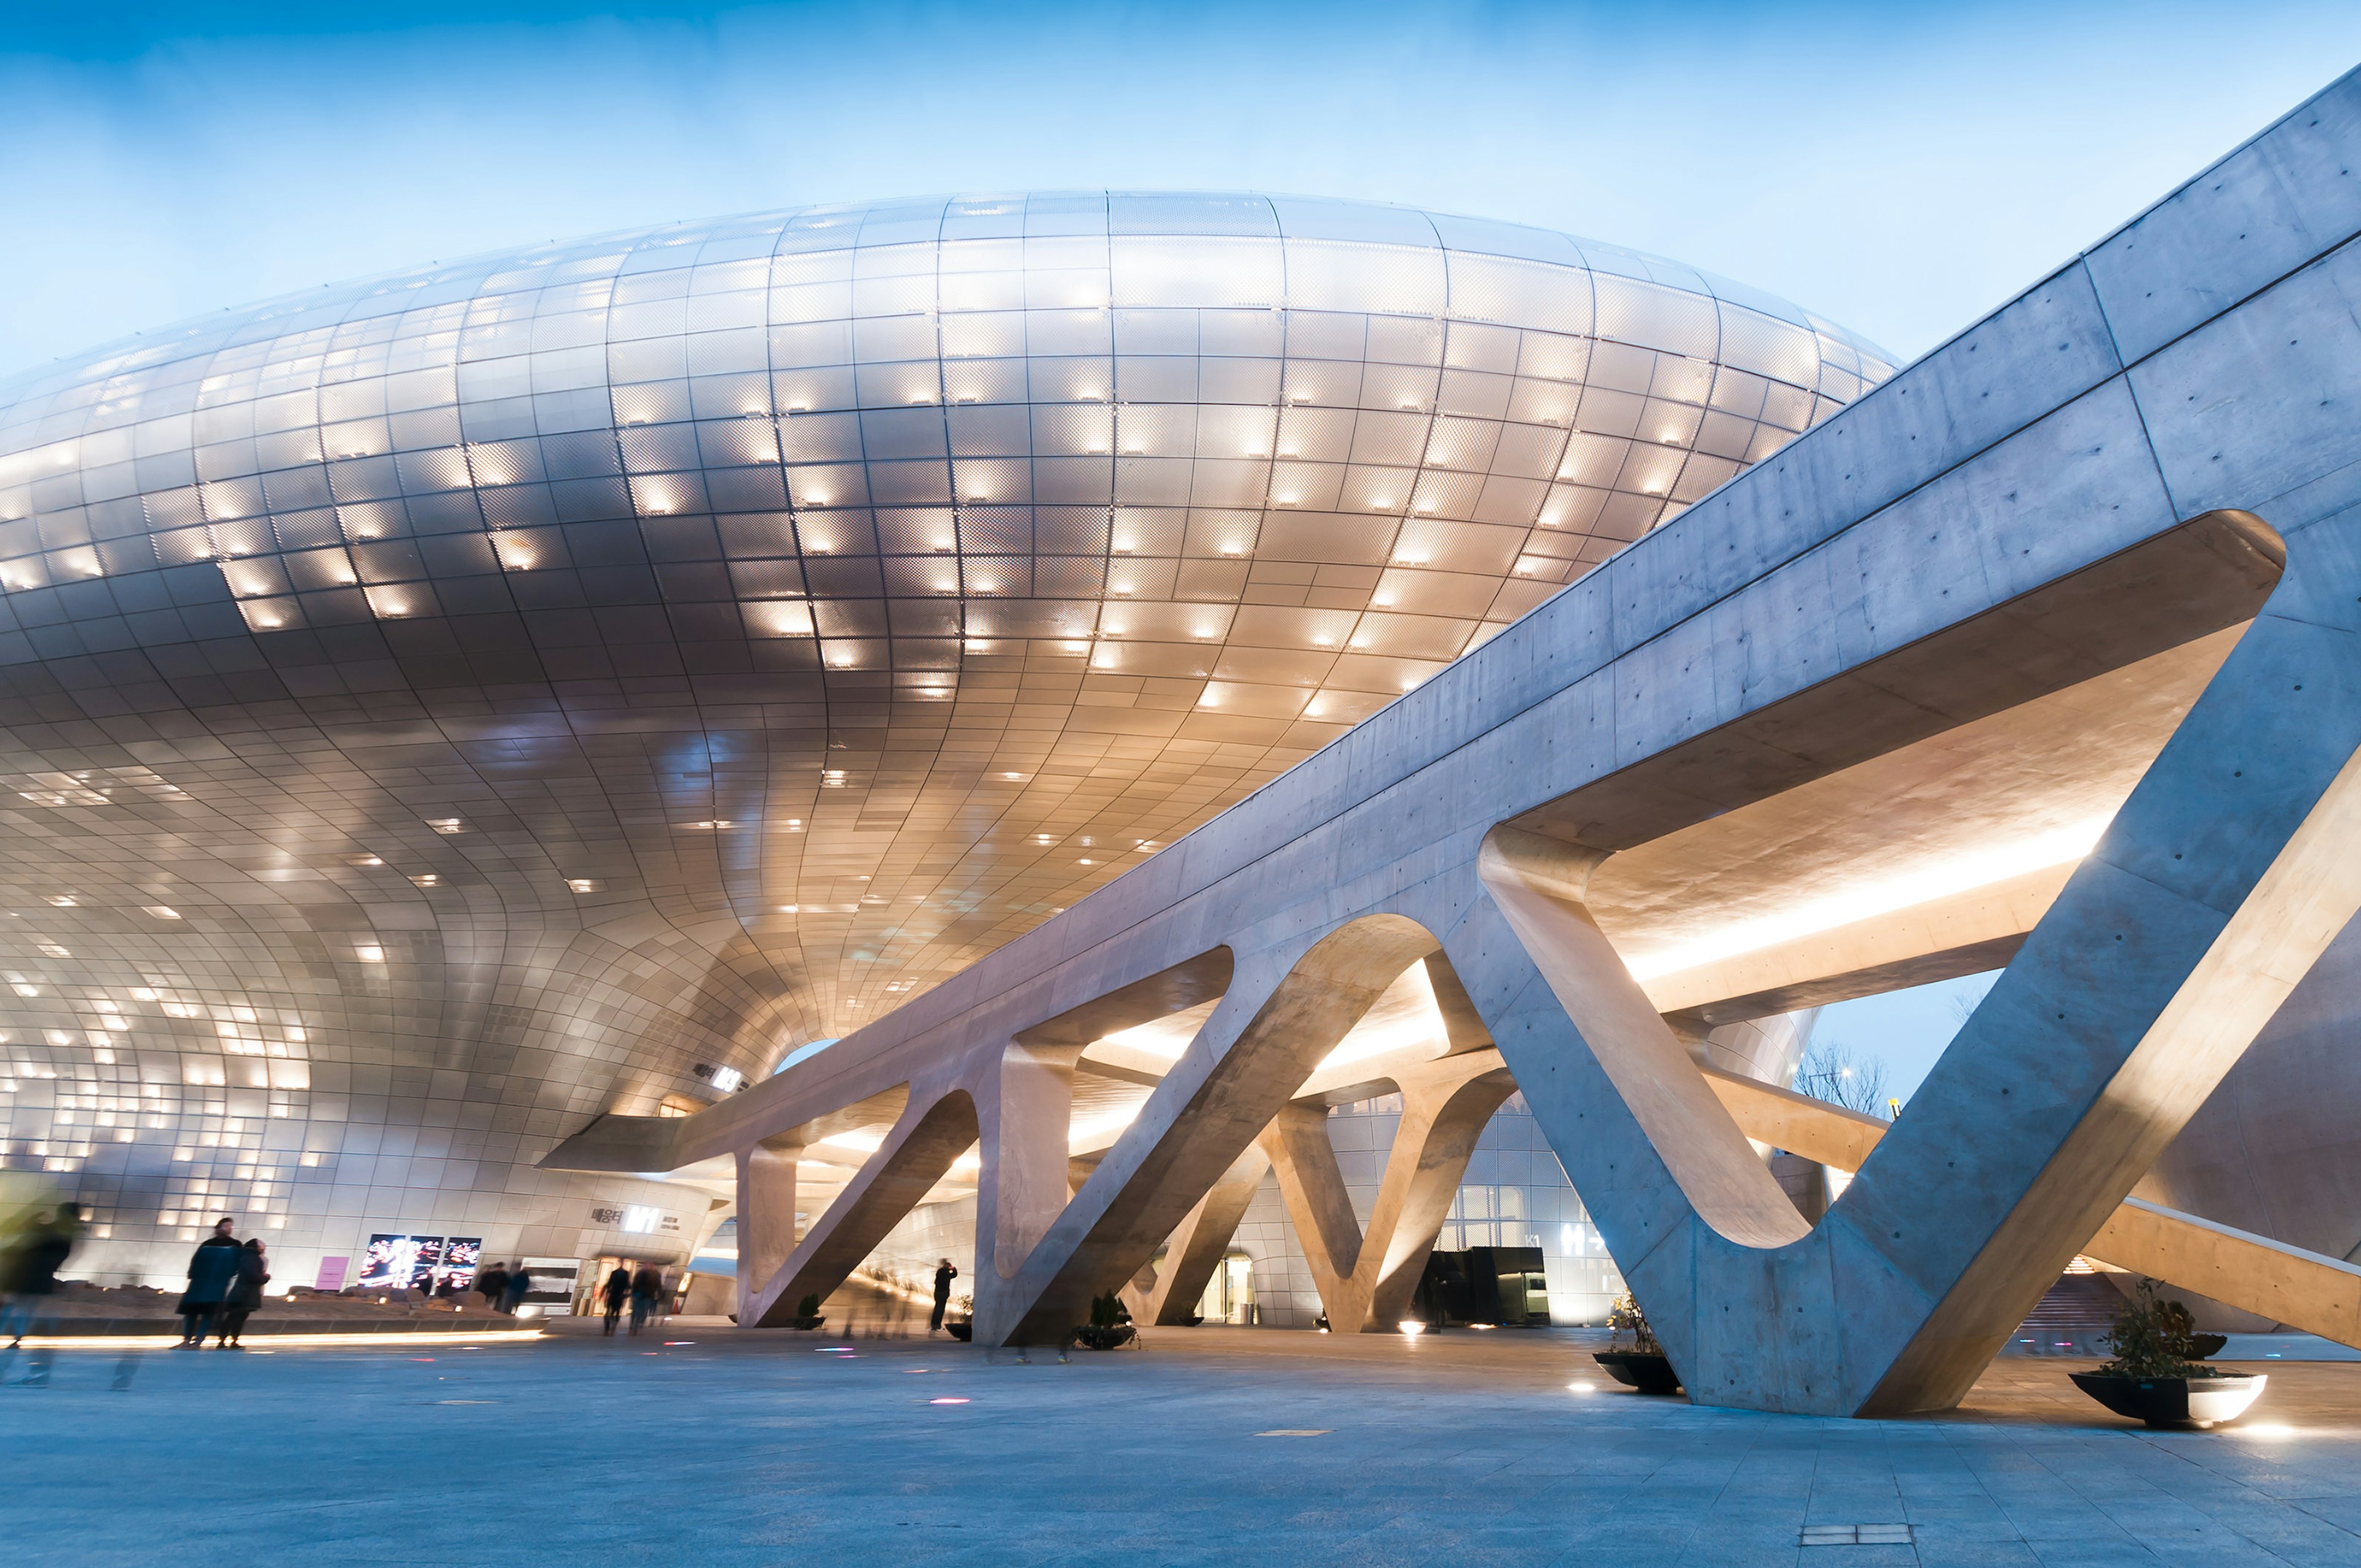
(754,1450)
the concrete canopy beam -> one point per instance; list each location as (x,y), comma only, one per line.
(2281,1283)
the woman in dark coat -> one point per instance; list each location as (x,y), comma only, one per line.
(618,1289)
(210,1272)
(244,1295)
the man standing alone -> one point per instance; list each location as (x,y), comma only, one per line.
(519,1287)
(944,1275)
(210,1272)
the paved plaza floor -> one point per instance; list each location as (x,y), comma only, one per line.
(701,1446)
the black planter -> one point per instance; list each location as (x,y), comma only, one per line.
(2167,1402)
(805,1323)
(1648,1374)
(962,1330)
(1105,1338)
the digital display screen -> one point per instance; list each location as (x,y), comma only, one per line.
(396,1262)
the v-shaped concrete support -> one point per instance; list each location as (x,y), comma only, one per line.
(1365,1278)
(1198,1244)
(2222,878)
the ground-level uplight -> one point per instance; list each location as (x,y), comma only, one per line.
(1411,1327)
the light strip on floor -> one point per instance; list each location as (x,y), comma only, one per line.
(167,1341)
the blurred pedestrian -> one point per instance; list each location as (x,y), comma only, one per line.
(17,1306)
(944,1275)
(616,1291)
(211,1270)
(518,1285)
(244,1295)
(36,1259)
(647,1288)
(491,1284)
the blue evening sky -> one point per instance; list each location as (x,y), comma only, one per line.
(1901,168)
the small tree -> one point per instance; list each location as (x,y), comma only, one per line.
(807,1308)
(2151,1338)
(1833,1071)
(1629,1321)
(1107,1310)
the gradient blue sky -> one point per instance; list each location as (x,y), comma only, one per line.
(1902,169)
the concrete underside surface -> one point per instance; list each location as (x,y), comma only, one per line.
(767,1447)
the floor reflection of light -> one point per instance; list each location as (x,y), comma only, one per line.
(947,1401)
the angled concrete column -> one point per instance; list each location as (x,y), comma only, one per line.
(2222,878)
(1312,1185)
(2285,1284)
(766,1217)
(916,1155)
(1365,1278)
(2255,1274)
(1024,1109)
(1271,1029)
(1447,1109)
(1198,1242)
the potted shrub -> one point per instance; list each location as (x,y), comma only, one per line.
(1110,1324)
(961,1324)
(2156,1374)
(1634,1357)
(806,1314)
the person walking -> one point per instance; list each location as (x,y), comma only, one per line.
(244,1295)
(520,1285)
(647,1288)
(35,1260)
(16,1305)
(944,1275)
(210,1272)
(617,1290)
(491,1285)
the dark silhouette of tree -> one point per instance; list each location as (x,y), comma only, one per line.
(1835,1072)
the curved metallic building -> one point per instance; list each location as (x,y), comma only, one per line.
(441,709)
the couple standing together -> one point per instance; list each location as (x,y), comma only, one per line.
(225,1281)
